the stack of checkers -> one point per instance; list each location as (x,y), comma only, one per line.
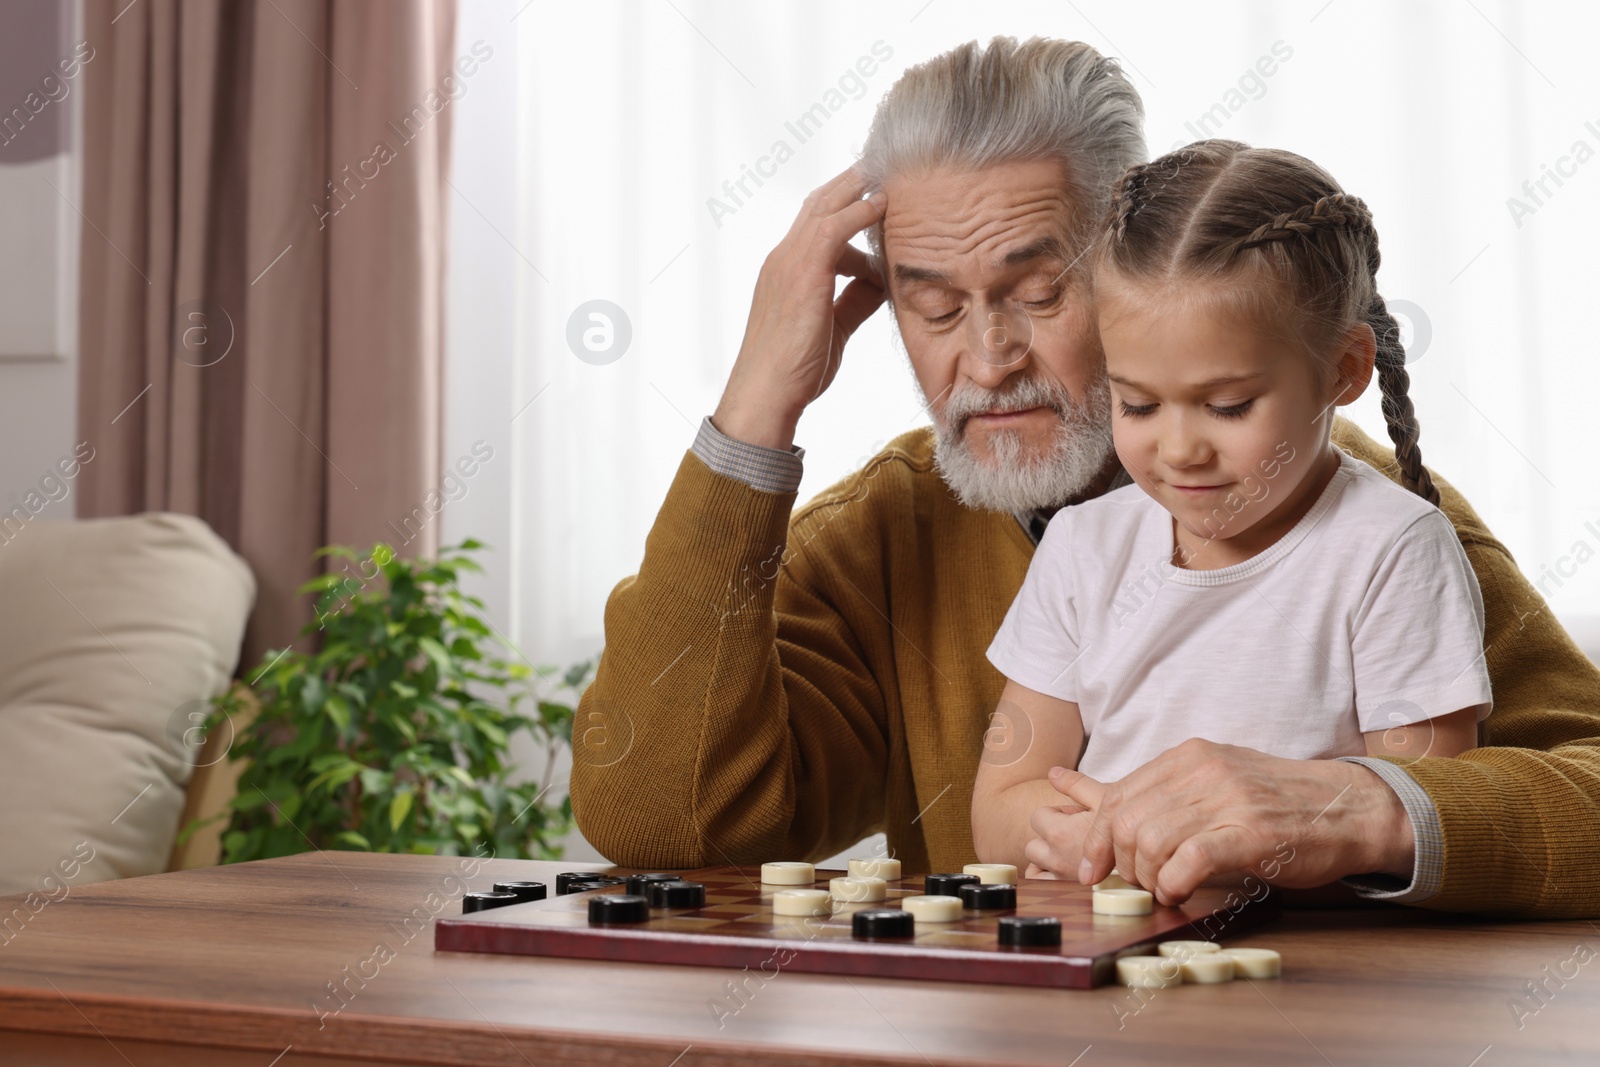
(579,881)
(641,893)
(504,893)
(1197,963)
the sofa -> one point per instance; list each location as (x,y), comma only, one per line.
(114,635)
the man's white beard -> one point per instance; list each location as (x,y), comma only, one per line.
(1012,480)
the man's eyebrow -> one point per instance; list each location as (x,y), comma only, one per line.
(1210,383)
(903,273)
(1043,246)
(1035,249)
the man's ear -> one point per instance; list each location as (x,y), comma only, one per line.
(1353,365)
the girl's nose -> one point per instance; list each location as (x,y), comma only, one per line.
(1181,445)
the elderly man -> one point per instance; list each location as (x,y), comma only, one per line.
(777,685)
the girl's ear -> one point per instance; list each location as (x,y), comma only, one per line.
(1358,349)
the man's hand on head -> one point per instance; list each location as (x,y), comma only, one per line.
(795,336)
(1203,811)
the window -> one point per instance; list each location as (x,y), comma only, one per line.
(605,153)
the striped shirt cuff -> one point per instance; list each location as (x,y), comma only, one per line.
(1427,871)
(770,470)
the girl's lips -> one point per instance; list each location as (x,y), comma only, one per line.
(1198,490)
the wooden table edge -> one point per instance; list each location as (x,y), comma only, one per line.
(449,1042)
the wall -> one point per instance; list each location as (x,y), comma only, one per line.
(38,255)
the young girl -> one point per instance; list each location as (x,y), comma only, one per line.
(1256,586)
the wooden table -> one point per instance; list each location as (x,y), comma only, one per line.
(232,965)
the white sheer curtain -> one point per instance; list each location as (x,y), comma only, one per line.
(591,142)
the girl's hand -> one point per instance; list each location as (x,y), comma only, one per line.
(1059,829)
(1201,810)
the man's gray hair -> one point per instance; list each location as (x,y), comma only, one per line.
(977,106)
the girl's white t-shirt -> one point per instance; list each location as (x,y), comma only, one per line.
(1365,616)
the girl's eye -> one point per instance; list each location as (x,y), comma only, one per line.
(1135,411)
(1236,411)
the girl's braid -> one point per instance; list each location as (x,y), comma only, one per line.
(1130,198)
(1140,185)
(1340,211)
(1397,410)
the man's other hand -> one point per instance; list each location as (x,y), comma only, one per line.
(794,339)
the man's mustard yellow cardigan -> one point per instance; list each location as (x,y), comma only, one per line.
(778,687)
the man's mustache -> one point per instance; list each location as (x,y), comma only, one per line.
(963,405)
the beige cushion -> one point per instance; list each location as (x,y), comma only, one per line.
(111,633)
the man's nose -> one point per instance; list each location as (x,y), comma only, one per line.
(998,344)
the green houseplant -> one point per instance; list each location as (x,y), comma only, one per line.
(394,736)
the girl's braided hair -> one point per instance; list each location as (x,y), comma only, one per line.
(1223,210)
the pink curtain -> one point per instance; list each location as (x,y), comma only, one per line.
(262,274)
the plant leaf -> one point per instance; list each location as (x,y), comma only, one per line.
(436,652)
(353,839)
(399,808)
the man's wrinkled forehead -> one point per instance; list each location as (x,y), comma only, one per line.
(946,228)
(1043,248)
